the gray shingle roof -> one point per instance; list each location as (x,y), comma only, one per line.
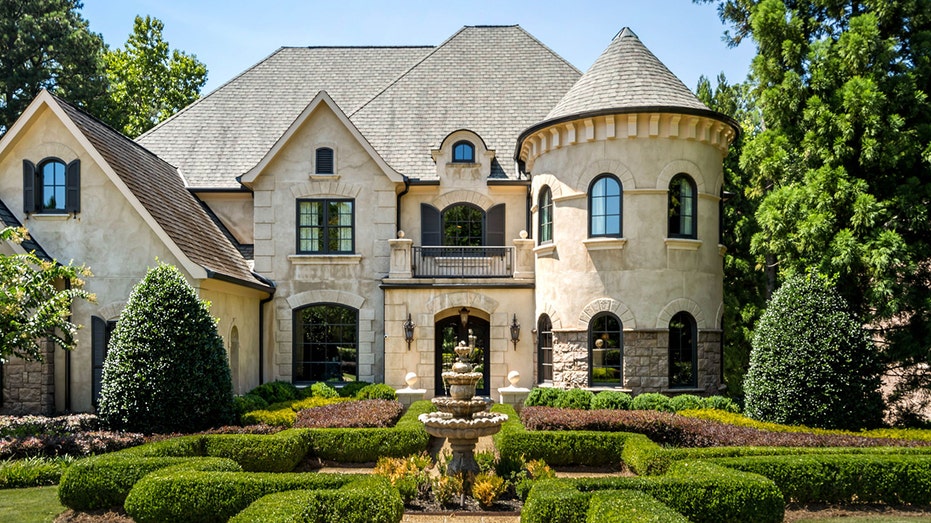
(492,80)
(159,188)
(626,76)
(224,134)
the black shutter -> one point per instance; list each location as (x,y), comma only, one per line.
(29,187)
(98,354)
(494,230)
(430,225)
(73,187)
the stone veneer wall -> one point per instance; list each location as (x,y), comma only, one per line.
(29,387)
(646,361)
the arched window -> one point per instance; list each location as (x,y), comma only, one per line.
(683,351)
(326,343)
(544,349)
(52,186)
(463,226)
(683,205)
(324,163)
(606,350)
(463,152)
(604,207)
(546,215)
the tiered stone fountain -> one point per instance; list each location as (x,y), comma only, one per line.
(462,418)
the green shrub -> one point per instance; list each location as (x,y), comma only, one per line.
(350,389)
(515,444)
(575,399)
(811,362)
(179,494)
(651,401)
(105,481)
(279,452)
(32,472)
(844,478)
(248,403)
(555,501)
(611,400)
(283,417)
(721,403)
(322,390)
(685,402)
(542,397)
(166,368)
(276,391)
(644,456)
(377,391)
(362,501)
(407,437)
(630,506)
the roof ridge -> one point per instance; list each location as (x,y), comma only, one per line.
(548,48)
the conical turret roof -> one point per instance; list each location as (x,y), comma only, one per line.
(626,76)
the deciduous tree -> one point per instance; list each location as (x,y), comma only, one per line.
(148,81)
(35,301)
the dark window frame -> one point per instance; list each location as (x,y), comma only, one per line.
(605,215)
(544,349)
(545,221)
(463,146)
(322,164)
(683,330)
(67,187)
(602,331)
(325,227)
(329,343)
(682,208)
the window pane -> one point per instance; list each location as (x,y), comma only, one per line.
(53,186)
(683,351)
(326,344)
(325,226)
(606,350)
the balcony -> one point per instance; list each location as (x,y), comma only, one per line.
(462,262)
(423,262)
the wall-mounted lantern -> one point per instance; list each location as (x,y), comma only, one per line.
(515,332)
(409,331)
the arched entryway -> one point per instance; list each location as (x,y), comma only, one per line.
(449,332)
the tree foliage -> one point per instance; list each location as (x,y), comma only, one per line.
(148,81)
(35,301)
(842,162)
(812,364)
(744,285)
(166,368)
(46,44)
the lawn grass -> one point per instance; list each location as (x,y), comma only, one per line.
(30,505)
(867,519)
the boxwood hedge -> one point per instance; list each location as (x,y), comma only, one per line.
(630,506)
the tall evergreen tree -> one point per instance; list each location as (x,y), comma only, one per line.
(843,160)
(46,44)
(148,81)
(166,368)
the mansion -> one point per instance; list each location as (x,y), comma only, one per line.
(352,213)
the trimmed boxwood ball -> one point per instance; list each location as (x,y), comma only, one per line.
(166,368)
(542,397)
(685,402)
(811,362)
(651,401)
(611,400)
(377,391)
(575,399)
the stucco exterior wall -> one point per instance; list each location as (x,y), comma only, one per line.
(351,280)
(234,209)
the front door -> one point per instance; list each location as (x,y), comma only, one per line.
(449,332)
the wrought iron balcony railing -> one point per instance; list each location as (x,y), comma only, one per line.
(462,262)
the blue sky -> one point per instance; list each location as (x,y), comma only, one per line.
(230,36)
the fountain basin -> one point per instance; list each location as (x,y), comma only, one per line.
(444,425)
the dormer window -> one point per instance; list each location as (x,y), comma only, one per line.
(463,152)
(323,163)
